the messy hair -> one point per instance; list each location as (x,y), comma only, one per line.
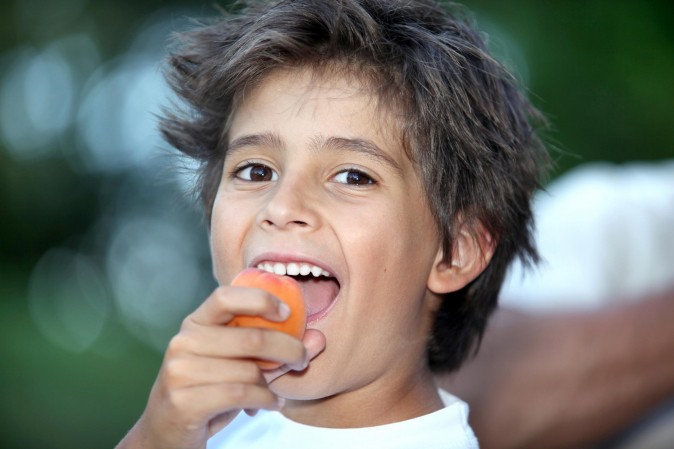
(462,119)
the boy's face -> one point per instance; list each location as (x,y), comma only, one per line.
(316,176)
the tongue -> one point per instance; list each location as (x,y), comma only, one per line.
(318,293)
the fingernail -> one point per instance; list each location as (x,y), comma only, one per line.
(280,402)
(283,310)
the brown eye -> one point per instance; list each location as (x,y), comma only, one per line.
(354,178)
(257,173)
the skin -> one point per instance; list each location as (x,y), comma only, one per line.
(314,173)
(312,213)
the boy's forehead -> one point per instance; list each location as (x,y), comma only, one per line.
(305,90)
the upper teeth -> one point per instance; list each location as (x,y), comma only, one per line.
(292,269)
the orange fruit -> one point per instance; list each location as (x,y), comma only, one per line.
(284,288)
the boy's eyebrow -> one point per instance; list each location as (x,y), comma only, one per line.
(356,145)
(271,140)
(363,146)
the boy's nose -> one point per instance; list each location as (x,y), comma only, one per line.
(289,205)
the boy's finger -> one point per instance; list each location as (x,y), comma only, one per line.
(314,342)
(204,402)
(237,343)
(193,371)
(226,302)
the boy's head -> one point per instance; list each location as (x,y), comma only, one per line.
(458,116)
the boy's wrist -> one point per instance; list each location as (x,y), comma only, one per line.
(139,438)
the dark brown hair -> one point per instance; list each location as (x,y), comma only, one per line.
(463,119)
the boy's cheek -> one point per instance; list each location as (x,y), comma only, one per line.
(218,259)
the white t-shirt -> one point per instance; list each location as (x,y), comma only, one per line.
(444,429)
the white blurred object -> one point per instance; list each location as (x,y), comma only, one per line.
(605,233)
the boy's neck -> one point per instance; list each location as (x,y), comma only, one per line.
(371,405)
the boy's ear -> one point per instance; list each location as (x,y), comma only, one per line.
(472,250)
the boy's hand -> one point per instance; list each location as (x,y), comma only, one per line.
(208,374)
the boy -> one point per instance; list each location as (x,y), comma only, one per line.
(375,145)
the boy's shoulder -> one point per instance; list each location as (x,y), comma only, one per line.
(445,429)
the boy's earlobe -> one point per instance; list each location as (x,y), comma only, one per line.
(472,250)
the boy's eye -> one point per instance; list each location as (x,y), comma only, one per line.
(353,177)
(256,173)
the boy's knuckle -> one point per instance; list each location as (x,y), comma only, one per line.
(175,400)
(254,340)
(221,297)
(175,373)
(179,343)
(187,322)
(250,372)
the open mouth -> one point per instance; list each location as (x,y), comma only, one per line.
(319,287)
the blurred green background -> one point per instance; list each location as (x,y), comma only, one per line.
(102,249)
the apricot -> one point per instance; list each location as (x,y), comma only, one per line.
(284,288)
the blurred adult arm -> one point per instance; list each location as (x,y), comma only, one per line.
(565,379)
